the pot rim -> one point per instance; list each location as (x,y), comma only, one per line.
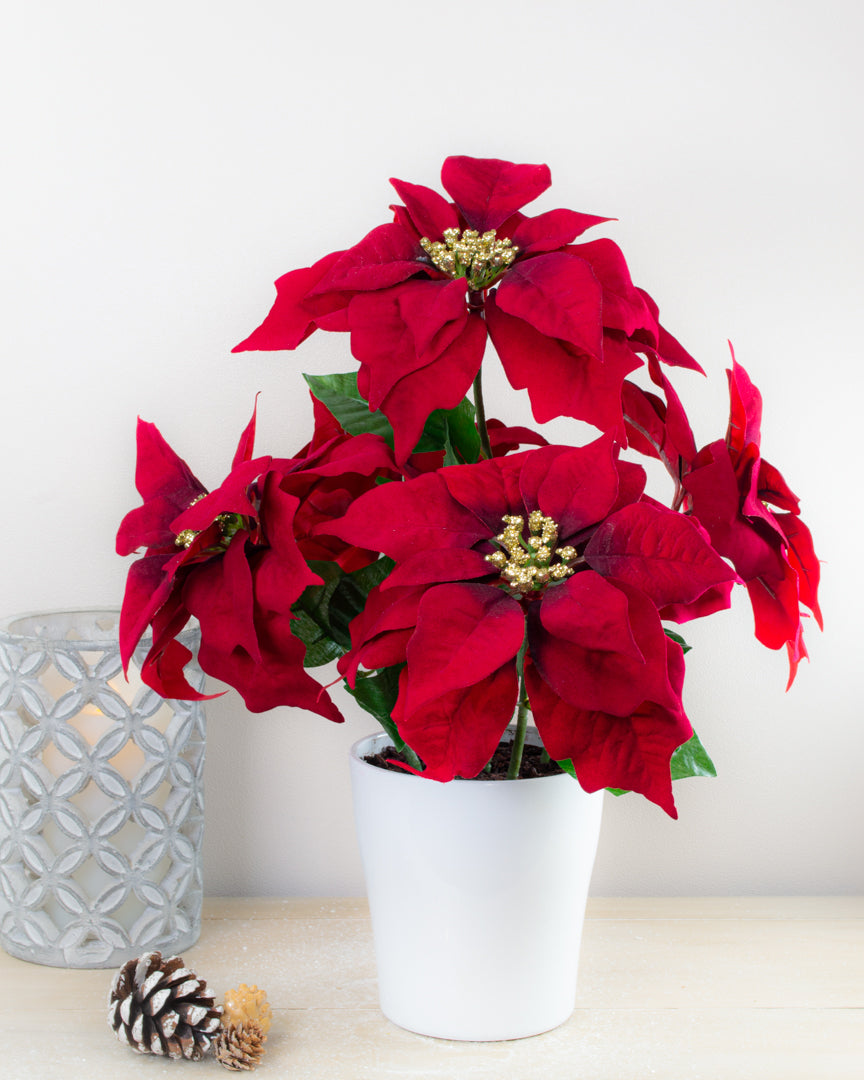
(531,737)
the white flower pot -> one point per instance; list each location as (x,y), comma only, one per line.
(477,893)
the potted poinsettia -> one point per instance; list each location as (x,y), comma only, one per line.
(487,596)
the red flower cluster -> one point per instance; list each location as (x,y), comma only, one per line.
(730,488)
(556,549)
(236,560)
(541,574)
(418,296)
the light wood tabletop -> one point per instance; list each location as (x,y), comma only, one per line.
(761,988)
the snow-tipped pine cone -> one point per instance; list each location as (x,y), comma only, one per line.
(160,1006)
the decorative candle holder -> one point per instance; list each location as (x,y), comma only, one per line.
(101,797)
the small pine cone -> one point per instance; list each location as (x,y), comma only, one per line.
(161,1007)
(247,1003)
(240,1046)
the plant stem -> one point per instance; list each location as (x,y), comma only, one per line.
(480,411)
(521,721)
(476,301)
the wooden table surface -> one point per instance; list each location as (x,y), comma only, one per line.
(670,989)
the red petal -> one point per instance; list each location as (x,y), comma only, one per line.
(386,615)
(559,296)
(281,573)
(658,551)
(457,733)
(631,752)
(246,445)
(489,489)
(802,558)
(552,230)
(403,329)
(575,486)
(219,595)
(429,212)
(148,587)
(772,488)
(437,566)
(403,518)
(661,342)
(464,633)
(160,472)
(560,382)
(505,439)
(231,497)
(713,488)
(148,526)
(745,410)
(587,646)
(775,608)
(442,384)
(644,416)
(624,307)
(293,318)
(678,430)
(488,190)
(384,257)
(278,678)
(163,672)
(718,598)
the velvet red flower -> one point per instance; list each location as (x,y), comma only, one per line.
(419,295)
(552,558)
(235,559)
(742,501)
(753,519)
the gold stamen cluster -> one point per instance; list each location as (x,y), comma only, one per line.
(480,259)
(526,564)
(228,525)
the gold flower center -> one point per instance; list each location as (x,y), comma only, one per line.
(527,563)
(228,525)
(479,259)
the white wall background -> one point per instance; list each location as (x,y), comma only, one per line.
(164,162)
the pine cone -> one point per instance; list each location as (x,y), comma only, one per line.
(160,1007)
(247,1003)
(240,1046)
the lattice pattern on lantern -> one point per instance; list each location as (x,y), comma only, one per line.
(101,798)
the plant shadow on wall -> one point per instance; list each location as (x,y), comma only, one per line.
(463,571)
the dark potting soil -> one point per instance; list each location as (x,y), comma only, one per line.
(532,762)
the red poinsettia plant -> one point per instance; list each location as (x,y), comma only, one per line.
(461,571)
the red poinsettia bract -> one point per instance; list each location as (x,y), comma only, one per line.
(418,296)
(552,556)
(753,518)
(731,489)
(235,559)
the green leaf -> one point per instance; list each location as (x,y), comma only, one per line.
(323,651)
(462,430)
(677,637)
(367,577)
(320,647)
(341,396)
(349,597)
(376,692)
(315,601)
(691,759)
(453,431)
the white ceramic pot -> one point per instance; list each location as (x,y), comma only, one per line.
(477,892)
